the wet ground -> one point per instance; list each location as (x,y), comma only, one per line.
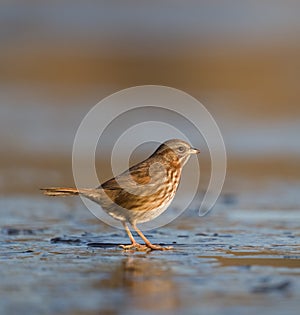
(57,258)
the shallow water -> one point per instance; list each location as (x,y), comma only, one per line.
(57,258)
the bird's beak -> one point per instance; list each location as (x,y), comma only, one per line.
(194,151)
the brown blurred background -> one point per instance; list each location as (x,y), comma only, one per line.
(59,58)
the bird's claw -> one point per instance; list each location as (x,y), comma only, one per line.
(135,246)
(145,248)
(158,247)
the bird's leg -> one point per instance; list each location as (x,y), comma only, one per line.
(133,244)
(147,242)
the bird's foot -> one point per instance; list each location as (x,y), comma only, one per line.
(158,247)
(145,248)
(135,246)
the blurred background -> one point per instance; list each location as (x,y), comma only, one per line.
(59,58)
(241,59)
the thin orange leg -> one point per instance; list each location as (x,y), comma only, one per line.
(133,244)
(147,242)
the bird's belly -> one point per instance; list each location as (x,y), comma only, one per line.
(150,211)
(137,215)
(141,216)
(143,208)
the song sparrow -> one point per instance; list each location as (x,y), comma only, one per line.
(141,193)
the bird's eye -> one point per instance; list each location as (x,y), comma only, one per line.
(181,149)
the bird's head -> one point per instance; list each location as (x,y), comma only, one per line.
(177,148)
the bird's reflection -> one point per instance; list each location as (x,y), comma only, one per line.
(146,283)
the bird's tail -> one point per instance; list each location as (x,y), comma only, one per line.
(62,191)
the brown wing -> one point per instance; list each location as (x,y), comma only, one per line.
(136,175)
(118,189)
(134,188)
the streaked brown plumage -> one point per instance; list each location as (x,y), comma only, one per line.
(141,193)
